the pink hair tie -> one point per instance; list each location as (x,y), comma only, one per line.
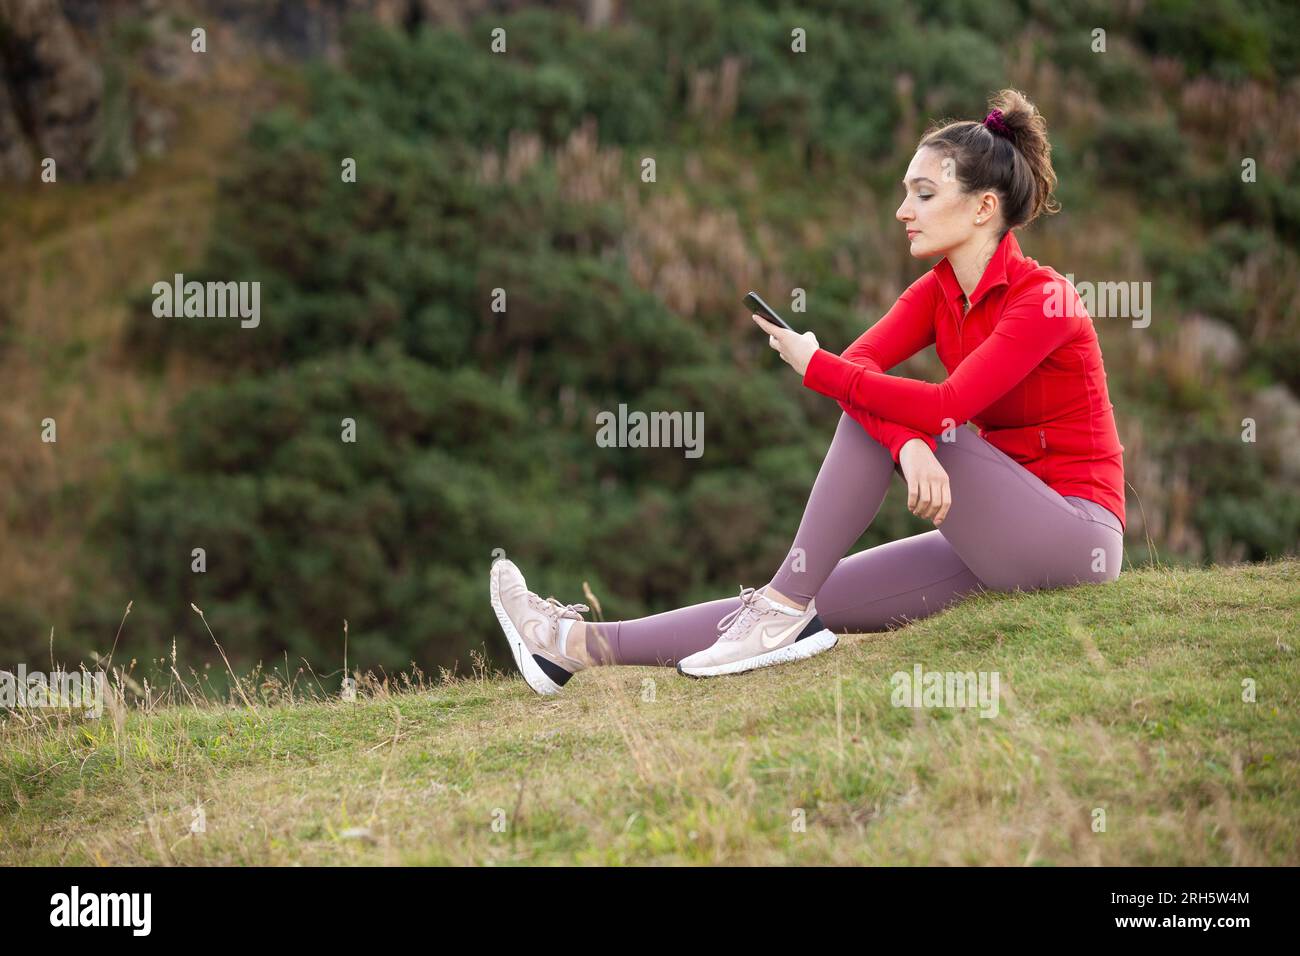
(994,122)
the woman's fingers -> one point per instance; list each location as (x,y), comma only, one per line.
(795,349)
(922,497)
(946,504)
(773,341)
(929,495)
(771,330)
(930,498)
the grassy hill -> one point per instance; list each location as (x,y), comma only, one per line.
(1125,698)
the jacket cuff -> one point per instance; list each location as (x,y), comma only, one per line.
(828,374)
(896,448)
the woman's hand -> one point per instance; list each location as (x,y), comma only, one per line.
(928,492)
(796,350)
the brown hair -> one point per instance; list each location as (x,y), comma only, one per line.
(1010,156)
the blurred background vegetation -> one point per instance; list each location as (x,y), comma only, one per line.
(476,171)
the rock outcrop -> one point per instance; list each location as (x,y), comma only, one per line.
(54,89)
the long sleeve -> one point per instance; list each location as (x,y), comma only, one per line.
(1024,335)
(890,434)
(903,331)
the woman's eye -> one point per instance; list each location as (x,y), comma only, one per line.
(925,195)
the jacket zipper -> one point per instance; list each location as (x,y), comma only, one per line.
(1042,439)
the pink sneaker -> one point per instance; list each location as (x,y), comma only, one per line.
(760,633)
(532,626)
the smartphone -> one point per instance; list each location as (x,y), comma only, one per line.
(756,304)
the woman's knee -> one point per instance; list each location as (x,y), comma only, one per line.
(852,435)
(1106,561)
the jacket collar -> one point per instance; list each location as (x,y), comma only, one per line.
(1006,255)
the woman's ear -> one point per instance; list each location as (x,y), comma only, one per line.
(988,208)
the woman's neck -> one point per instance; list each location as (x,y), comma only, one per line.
(970,259)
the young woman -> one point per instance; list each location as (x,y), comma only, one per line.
(1034,500)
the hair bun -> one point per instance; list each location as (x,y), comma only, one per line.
(1018,120)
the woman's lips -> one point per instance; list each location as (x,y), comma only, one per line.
(913,233)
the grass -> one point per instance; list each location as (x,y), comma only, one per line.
(1125,698)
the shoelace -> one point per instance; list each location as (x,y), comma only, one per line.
(749,598)
(554,609)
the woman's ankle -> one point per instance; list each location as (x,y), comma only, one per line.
(780,598)
(575,644)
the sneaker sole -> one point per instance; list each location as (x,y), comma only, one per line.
(532,674)
(800,650)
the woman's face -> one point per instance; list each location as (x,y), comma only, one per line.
(938,216)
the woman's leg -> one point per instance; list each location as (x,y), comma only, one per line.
(894,583)
(845,498)
(873,590)
(1006,529)
(1013,531)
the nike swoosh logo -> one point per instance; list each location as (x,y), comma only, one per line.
(534,631)
(770,639)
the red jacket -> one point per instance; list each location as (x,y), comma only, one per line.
(1024,365)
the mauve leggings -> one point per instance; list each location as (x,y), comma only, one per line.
(1005,529)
